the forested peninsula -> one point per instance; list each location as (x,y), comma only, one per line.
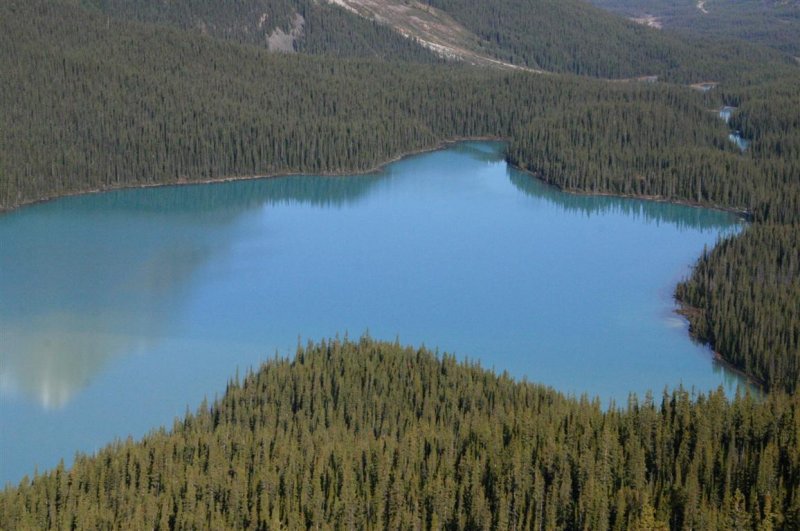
(94,99)
(374,435)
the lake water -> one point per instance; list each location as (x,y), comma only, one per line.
(120,310)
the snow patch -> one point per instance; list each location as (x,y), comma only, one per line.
(650,21)
(344,5)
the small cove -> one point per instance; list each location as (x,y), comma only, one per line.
(121,309)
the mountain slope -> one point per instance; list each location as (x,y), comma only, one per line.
(161,105)
(567,36)
(304,26)
(433,28)
(774,23)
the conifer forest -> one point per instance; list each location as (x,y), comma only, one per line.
(98,95)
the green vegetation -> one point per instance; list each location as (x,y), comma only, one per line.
(322,28)
(160,105)
(572,36)
(774,23)
(768,115)
(370,434)
(748,289)
(374,435)
(558,36)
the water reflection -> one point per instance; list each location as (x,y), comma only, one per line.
(72,298)
(680,216)
(223,202)
(118,309)
(52,356)
(657,212)
(113,300)
(65,316)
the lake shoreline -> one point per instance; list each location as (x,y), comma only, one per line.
(275,175)
(686,311)
(743,214)
(682,308)
(167,289)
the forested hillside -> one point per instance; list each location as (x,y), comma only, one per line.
(289,25)
(557,36)
(572,36)
(774,23)
(565,36)
(373,435)
(748,288)
(161,105)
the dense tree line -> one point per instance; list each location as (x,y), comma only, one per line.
(604,148)
(91,103)
(744,295)
(748,288)
(372,435)
(768,115)
(158,105)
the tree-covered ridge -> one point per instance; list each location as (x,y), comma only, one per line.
(95,103)
(531,32)
(373,435)
(321,27)
(605,148)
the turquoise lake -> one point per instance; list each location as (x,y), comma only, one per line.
(120,310)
